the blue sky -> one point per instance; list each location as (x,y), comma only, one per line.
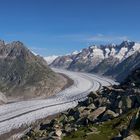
(61,26)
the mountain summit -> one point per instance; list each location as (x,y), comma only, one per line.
(24,75)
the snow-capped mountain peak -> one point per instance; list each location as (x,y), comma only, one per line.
(90,57)
(93,47)
(75,52)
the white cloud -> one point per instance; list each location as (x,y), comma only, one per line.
(104,38)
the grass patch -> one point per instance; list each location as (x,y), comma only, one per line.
(105,131)
(102,132)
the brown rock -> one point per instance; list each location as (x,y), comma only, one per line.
(95,114)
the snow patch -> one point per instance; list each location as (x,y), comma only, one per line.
(134,49)
(121,54)
(75,52)
(50,59)
(107,52)
(98,53)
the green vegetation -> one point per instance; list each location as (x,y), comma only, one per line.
(105,131)
(102,132)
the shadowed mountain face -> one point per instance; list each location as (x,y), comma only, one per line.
(123,69)
(133,79)
(111,60)
(22,74)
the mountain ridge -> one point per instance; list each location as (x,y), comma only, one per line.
(25,75)
(102,59)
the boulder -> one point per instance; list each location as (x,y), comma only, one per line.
(72,111)
(51,134)
(128,102)
(120,104)
(68,128)
(109,114)
(76,114)
(58,132)
(85,113)
(118,137)
(81,109)
(86,102)
(119,111)
(93,95)
(70,119)
(132,137)
(125,103)
(95,114)
(63,118)
(83,121)
(102,101)
(91,106)
(136,90)
(53,122)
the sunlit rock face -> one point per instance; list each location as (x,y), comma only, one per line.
(22,73)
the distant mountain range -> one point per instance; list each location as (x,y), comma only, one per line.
(111,60)
(23,74)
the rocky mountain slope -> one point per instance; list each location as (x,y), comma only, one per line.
(24,75)
(123,69)
(110,114)
(103,59)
